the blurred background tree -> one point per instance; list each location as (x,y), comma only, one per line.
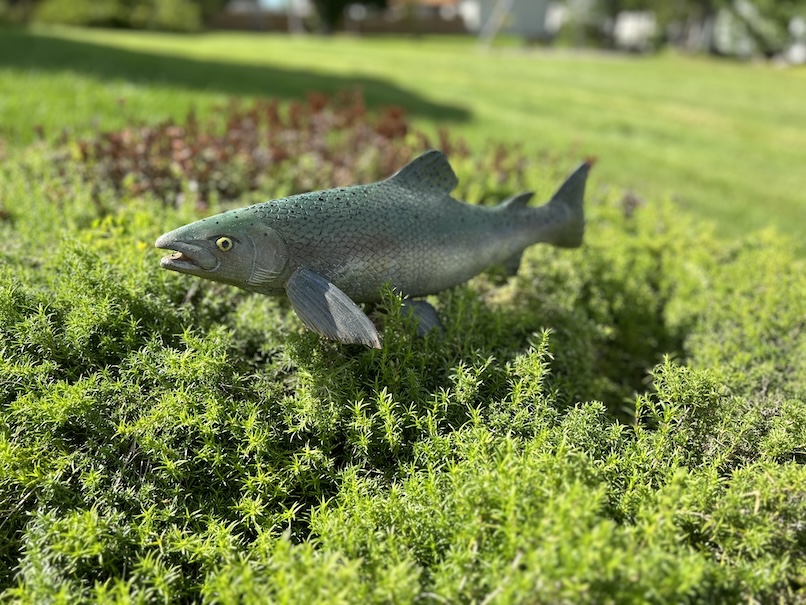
(169,15)
(719,27)
(331,12)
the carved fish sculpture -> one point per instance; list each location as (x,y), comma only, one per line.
(329,250)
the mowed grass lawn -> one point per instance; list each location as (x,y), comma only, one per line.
(727,140)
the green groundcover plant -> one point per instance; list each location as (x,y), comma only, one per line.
(625,422)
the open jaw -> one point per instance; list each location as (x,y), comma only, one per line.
(187,258)
(178,261)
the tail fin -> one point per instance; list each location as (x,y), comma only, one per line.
(569,202)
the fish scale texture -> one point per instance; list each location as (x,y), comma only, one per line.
(363,237)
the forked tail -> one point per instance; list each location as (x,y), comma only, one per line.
(567,208)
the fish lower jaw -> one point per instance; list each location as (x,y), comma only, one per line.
(178,262)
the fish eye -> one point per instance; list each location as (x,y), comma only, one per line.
(224,244)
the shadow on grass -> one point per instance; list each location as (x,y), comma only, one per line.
(20,49)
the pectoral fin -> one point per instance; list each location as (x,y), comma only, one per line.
(328,311)
(427,318)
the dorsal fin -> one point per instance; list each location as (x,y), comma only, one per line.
(429,173)
(517,201)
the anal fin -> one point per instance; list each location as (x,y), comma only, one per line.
(328,311)
(512,264)
(426,315)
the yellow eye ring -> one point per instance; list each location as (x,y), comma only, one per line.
(224,244)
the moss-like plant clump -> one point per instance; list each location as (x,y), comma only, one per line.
(625,422)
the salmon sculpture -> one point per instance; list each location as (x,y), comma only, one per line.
(330,250)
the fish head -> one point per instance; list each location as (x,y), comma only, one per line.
(228,248)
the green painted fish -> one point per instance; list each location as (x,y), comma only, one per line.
(329,250)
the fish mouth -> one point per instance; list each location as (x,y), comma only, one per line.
(178,261)
(187,258)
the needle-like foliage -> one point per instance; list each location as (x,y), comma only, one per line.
(625,422)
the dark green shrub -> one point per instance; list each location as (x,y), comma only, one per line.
(170,15)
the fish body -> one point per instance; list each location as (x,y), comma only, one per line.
(329,250)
